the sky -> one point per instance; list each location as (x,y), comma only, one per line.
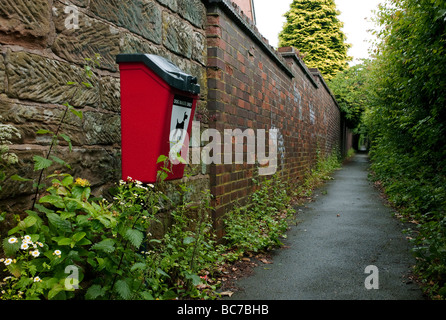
(355,14)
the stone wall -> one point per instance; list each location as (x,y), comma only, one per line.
(250,85)
(43,45)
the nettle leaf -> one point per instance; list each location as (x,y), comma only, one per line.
(94,292)
(10,248)
(138,266)
(107,246)
(67,139)
(123,289)
(60,161)
(24,282)
(134,236)
(41,163)
(147,295)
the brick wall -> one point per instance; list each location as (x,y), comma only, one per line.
(252,86)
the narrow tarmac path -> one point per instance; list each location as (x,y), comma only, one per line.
(346,229)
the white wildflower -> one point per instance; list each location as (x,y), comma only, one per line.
(35,253)
(12,240)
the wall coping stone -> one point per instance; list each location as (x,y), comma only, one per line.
(290,52)
(246,25)
(315,72)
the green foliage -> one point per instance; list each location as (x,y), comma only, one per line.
(69,228)
(406,121)
(109,244)
(262,222)
(351,93)
(314,29)
(325,165)
(173,263)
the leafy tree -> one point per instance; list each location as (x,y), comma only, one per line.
(314,29)
(350,90)
(407,123)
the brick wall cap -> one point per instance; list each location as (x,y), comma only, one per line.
(246,25)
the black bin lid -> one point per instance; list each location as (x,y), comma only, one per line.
(165,69)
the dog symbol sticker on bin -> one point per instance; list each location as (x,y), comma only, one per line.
(179,122)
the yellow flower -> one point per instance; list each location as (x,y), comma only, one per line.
(82,182)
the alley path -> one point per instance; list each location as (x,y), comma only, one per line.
(346,229)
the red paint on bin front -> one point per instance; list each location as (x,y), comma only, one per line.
(146,110)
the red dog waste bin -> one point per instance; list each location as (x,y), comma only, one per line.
(157,107)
